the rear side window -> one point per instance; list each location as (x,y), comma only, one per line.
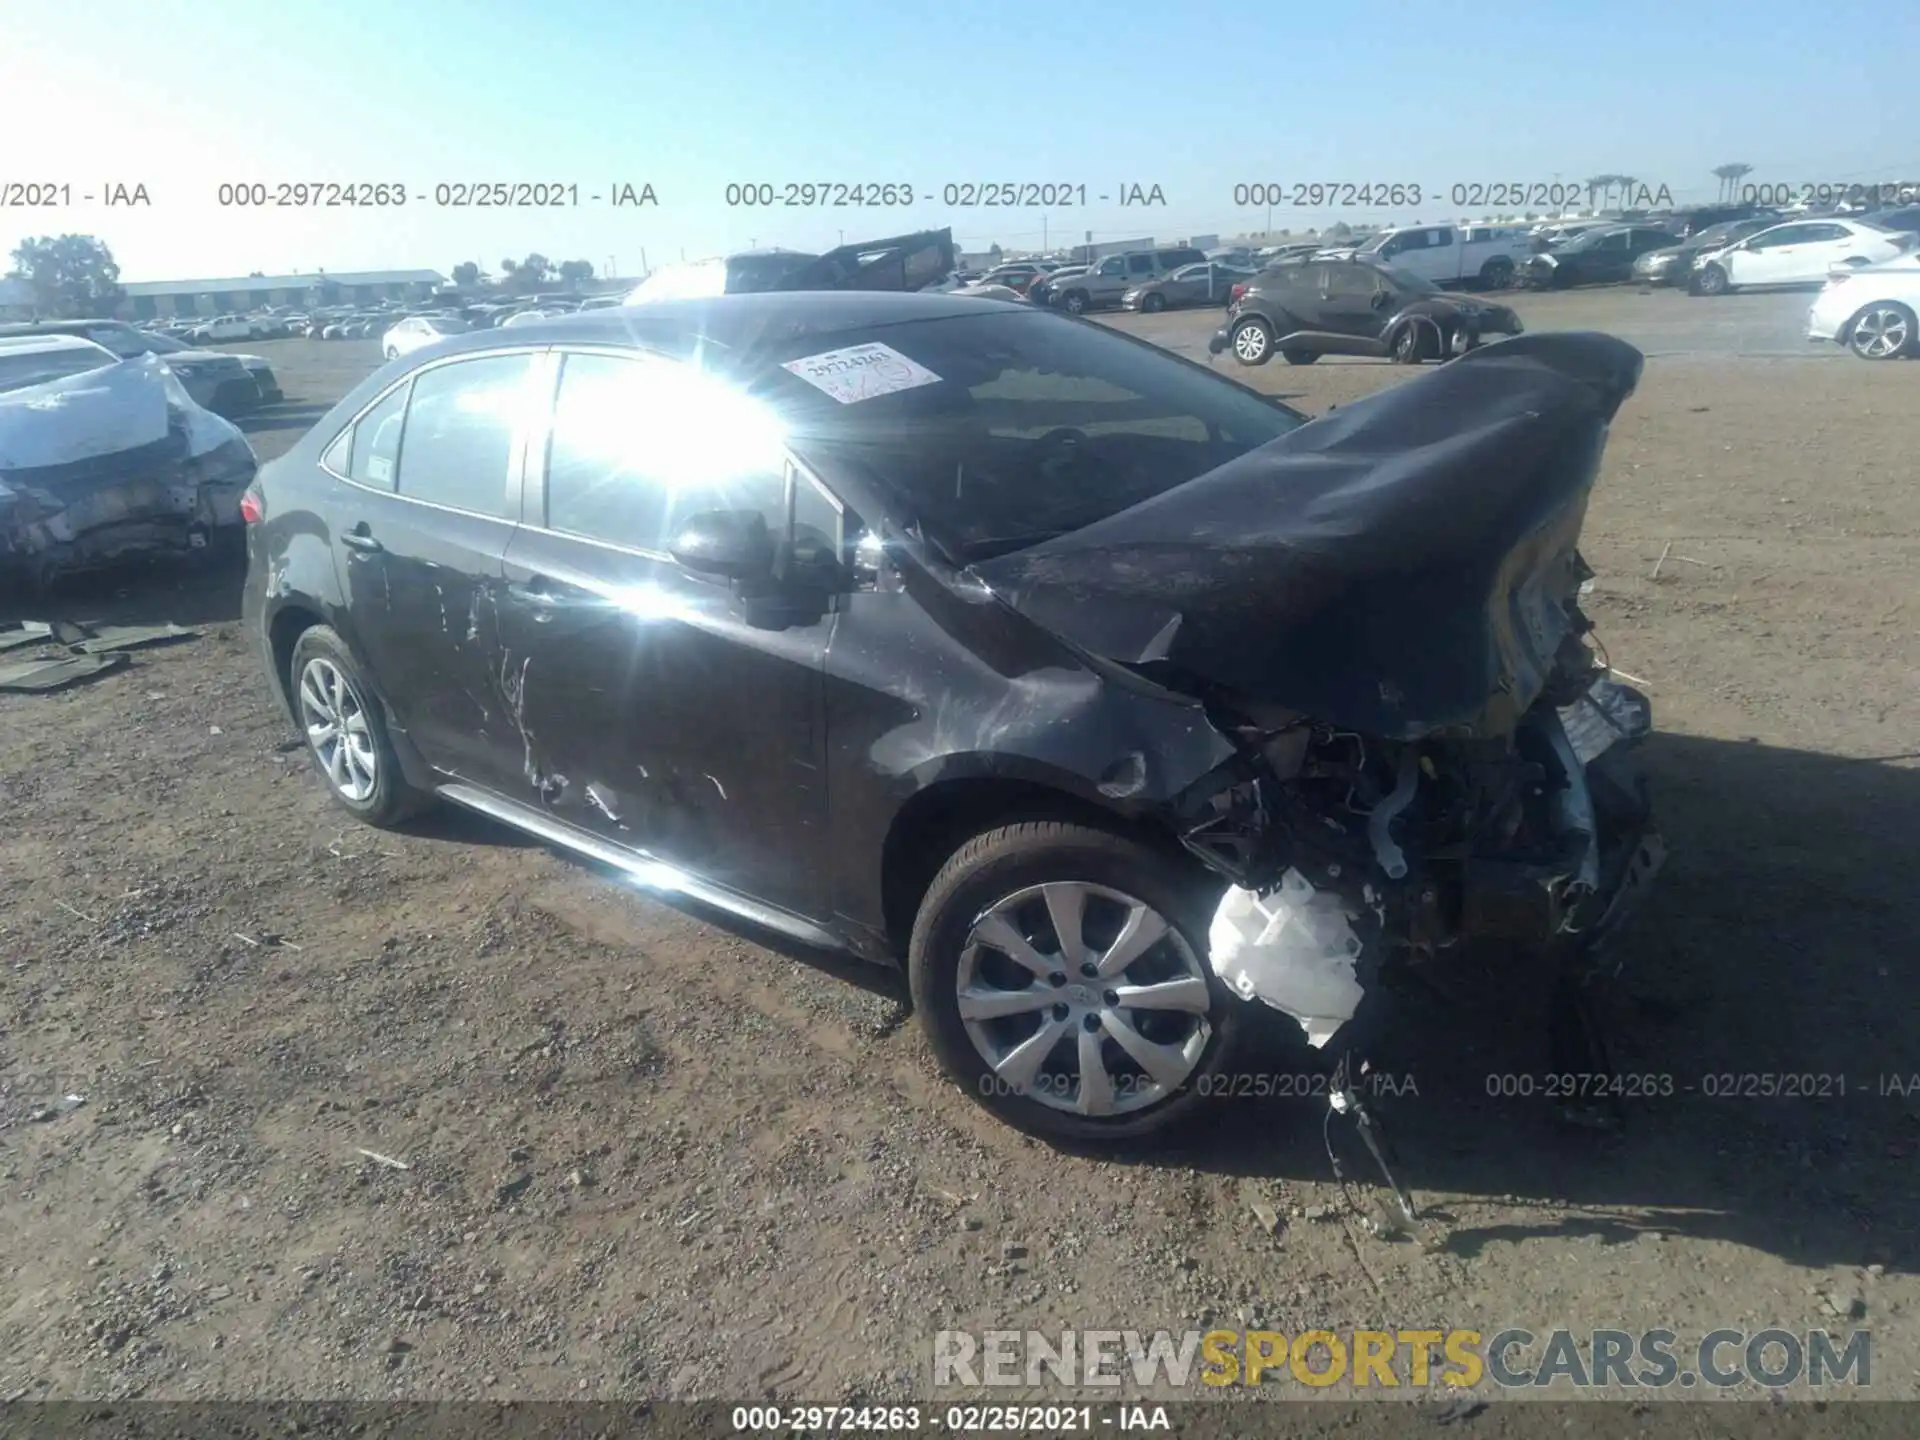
(1140,264)
(462,421)
(373,456)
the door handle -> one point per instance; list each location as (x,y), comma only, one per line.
(361,539)
(538,595)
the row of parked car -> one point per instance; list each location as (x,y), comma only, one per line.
(223,382)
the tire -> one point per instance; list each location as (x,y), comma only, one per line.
(1251,340)
(1410,345)
(392,354)
(1002,875)
(1153,304)
(1076,302)
(1497,273)
(1711,280)
(318,655)
(1890,331)
(1299,357)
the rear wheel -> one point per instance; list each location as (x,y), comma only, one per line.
(346,732)
(1410,345)
(1883,331)
(1058,972)
(1252,341)
(1300,357)
(1497,273)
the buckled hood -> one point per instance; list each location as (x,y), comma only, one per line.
(1398,567)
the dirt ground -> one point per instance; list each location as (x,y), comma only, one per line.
(647,1155)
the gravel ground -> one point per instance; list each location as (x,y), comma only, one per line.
(632,1152)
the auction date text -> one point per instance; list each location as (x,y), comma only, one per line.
(58,194)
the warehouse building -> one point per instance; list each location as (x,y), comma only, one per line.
(148,299)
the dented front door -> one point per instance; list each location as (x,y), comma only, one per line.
(652,715)
(649,711)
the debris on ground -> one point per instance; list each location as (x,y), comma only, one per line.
(39,677)
(94,650)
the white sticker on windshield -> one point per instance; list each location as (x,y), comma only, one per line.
(861,372)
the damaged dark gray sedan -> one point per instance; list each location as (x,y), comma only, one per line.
(1105,694)
(104,460)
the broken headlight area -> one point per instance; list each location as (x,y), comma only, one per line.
(1352,858)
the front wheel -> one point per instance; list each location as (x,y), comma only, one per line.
(1884,331)
(1252,341)
(1059,974)
(1075,302)
(1711,280)
(1497,274)
(1153,304)
(346,732)
(1410,345)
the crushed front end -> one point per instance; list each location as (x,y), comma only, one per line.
(1354,858)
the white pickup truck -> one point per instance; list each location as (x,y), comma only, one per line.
(1484,255)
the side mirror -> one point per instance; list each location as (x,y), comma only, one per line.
(725,544)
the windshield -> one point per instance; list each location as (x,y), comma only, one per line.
(443,324)
(1033,426)
(1373,245)
(20,369)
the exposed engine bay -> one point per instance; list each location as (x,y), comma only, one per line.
(1351,856)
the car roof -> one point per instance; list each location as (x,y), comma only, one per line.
(45,343)
(733,322)
(54,327)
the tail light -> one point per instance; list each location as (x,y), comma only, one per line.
(253,506)
(1235,295)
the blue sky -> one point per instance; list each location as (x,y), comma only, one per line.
(1193,97)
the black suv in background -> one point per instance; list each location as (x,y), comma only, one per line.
(1349,307)
(1109,278)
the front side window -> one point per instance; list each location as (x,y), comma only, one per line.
(1115,266)
(1351,282)
(1032,428)
(640,445)
(461,424)
(1140,264)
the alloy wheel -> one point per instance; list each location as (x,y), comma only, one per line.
(1076,303)
(1881,332)
(1083,998)
(1250,342)
(335,718)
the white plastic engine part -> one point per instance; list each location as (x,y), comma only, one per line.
(1292,948)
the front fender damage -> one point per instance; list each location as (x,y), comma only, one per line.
(1349,856)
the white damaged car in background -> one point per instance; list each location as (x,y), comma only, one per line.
(104,460)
